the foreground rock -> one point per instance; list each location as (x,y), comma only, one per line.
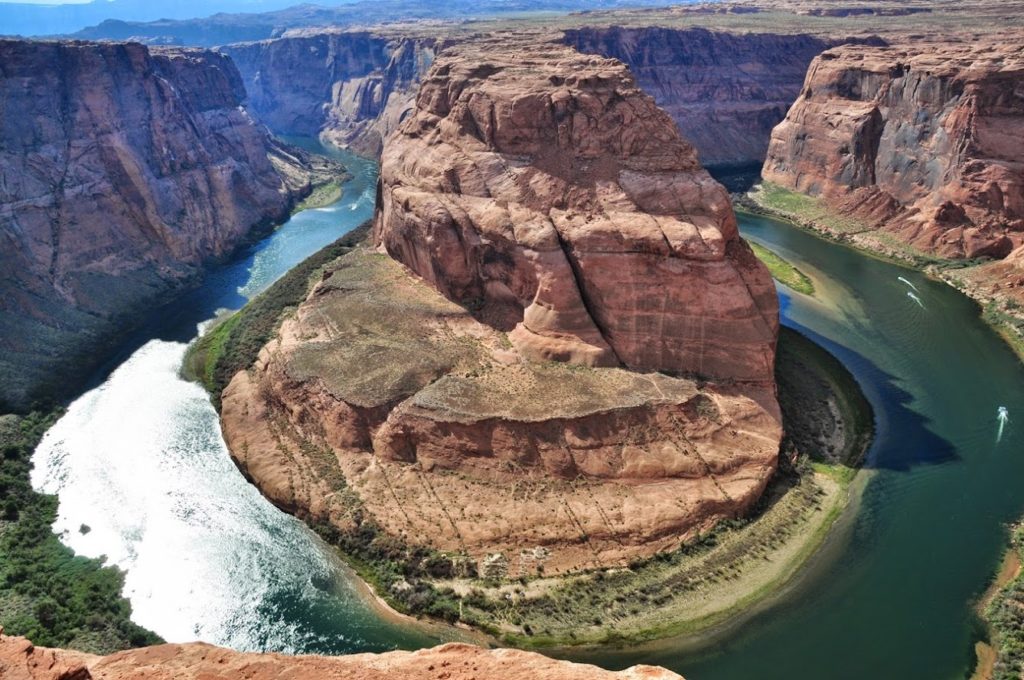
(577,370)
(923,145)
(19,660)
(122,170)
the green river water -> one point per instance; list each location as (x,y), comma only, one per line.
(141,460)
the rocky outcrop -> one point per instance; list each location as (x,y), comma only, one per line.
(20,660)
(122,170)
(577,370)
(380,402)
(923,143)
(725,91)
(351,87)
(543,188)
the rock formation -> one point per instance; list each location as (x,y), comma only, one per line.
(20,660)
(122,169)
(535,191)
(923,142)
(545,188)
(725,91)
(353,87)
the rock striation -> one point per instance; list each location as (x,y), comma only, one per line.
(572,369)
(351,87)
(544,188)
(725,91)
(122,170)
(922,143)
(20,660)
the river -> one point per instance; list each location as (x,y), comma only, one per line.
(140,460)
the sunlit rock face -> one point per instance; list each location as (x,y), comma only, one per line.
(546,189)
(20,660)
(923,141)
(556,342)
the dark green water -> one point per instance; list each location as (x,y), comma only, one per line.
(890,595)
(141,460)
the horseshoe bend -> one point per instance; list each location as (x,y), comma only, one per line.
(650,337)
(553,354)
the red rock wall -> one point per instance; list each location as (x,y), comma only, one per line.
(122,169)
(725,91)
(925,142)
(544,189)
(353,87)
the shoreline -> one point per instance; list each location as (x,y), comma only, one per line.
(708,584)
(933,267)
(987,651)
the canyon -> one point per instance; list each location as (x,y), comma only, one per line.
(921,142)
(20,660)
(554,353)
(725,91)
(529,355)
(123,170)
(352,88)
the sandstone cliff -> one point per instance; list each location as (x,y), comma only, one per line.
(923,143)
(122,170)
(20,660)
(534,391)
(546,189)
(725,91)
(351,87)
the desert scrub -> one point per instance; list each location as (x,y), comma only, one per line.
(782,271)
(47,593)
(1006,319)
(804,208)
(233,344)
(1005,617)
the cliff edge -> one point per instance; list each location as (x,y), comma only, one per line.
(20,660)
(922,145)
(123,169)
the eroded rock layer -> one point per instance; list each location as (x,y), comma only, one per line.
(122,169)
(542,188)
(922,142)
(577,370)
(20,660)
(725,91)
(381,401)
(351,87)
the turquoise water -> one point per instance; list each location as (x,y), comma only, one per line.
(890,596)
(140,459)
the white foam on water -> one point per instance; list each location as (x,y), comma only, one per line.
(141,461)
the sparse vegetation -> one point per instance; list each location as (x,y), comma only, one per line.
(804,208)
(1005,616)
(782,271)
(47,593)
(234,343)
